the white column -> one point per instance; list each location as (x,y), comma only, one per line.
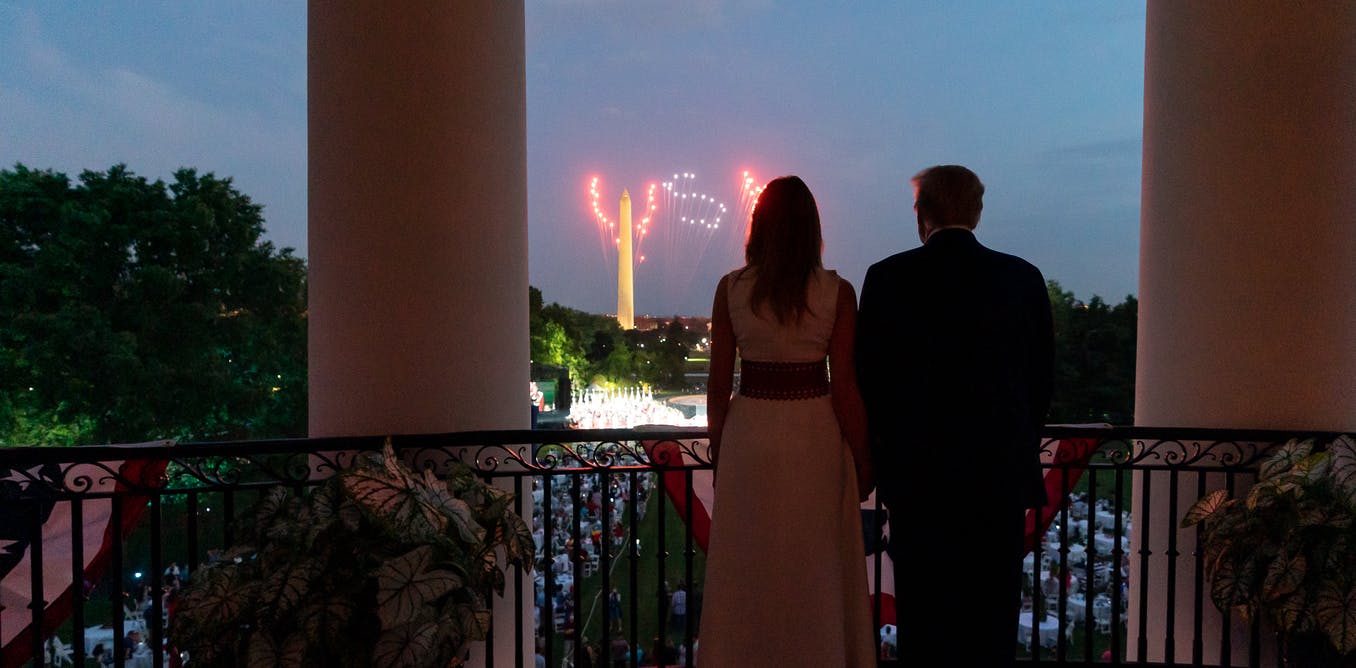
(418,217)
(418,223)
(1247,309)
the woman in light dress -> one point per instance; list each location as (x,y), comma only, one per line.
(785,575)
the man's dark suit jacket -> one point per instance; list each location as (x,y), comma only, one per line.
(955,350)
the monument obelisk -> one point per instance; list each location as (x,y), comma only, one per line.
(626,309)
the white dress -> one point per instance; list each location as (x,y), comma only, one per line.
(785,574)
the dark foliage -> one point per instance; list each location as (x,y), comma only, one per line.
(135,309)
(1094,359)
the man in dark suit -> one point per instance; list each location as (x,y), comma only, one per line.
(955,354)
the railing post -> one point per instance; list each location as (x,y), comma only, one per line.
(1142,637)
(661,585)
(78,649)
(689,553)
(38,604)
(577,558)
(633,548)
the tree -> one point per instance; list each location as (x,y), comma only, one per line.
(1094,353)
(586,344)
(137,309)
(1094,358)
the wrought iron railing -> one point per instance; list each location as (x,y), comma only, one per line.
(568,482)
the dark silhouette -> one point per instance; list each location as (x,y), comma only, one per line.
(955,356)
(790,453)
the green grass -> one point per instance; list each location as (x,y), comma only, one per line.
(1106,484)
(1075,647)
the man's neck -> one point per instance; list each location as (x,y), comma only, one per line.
(935,230)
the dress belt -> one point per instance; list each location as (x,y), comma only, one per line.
(783,381)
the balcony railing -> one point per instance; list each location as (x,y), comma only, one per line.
(614,509)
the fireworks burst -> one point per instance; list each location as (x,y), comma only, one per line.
(691,225)
(691,219)
(607,228)
(749,189)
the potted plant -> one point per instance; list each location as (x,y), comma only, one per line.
(378,566)
(1287,550)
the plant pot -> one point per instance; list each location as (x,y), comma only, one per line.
(1312,650)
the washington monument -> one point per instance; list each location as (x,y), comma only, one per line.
(626,308)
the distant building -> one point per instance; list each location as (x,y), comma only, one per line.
(695,323)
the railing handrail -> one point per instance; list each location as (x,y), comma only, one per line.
(33,455)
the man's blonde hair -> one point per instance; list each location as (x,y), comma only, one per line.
(948,195)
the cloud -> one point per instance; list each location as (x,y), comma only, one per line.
(136,104)
(1110,149)
(87,106)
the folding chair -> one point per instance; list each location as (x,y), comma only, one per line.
(59,653)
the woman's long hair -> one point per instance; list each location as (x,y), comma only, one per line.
(785,246)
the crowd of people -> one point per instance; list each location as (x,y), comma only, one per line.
(623,408)
(1085,576)
(599,495)
(103,644)
(565,557)
(666,648)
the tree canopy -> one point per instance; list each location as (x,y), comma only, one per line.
(1094,358)
(593,347)
(1094,353)
(134,309)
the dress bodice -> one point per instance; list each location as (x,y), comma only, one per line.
(760,337)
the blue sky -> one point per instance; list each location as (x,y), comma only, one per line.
(1042,100)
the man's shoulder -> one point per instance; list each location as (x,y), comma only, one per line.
(896,261)
(1018,266)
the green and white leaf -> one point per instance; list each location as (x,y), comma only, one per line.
(519,545)
(1205,507)
(325,504)
(1288,613)
(1264,493)
(263,651)
(1231,582)
(396,470)
(1343,451)
(472,623)
(444,508)
(288,584)
(406,645)
(397,501)
(1285,458)
(1335,609)
(406,587)
(1313,468)
(217,597)
(270,506)
(1284,576)
(1324,515)
(328,621)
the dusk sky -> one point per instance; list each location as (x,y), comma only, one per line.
(1042,100)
